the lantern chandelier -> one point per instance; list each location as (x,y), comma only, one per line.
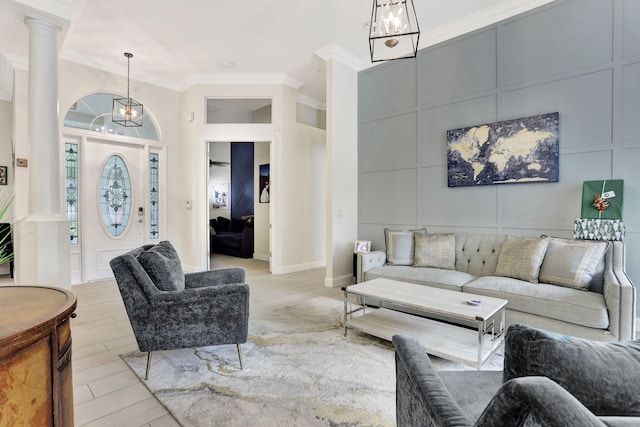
(393,32)
(127,111)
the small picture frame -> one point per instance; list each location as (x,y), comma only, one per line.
(362,246)
(3,175)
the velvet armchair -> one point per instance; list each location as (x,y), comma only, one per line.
(170,310)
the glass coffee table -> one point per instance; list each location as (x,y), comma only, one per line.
(440,319)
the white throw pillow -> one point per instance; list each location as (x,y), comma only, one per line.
(400,245)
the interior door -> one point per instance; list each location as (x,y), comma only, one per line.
(113,195)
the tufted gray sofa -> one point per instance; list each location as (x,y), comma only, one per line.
(604,312)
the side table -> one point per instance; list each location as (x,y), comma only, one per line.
(36,387)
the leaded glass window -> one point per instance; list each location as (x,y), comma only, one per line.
(71,189)
(154,227)
(115,195)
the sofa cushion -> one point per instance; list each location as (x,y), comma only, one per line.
(236,226)
(223,223)
(521,257)
(605,377)
(541,299)
(571,263)
(436,277)
(400,245)
(162,264)
(435,250)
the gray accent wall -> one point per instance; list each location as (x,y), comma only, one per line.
(580,58)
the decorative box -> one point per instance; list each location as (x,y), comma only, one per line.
(598,229)
(602,199)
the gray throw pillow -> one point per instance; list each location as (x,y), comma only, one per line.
(435,250)
(400,245)
(521,257)
(571,263)
(603,376)
(162,264)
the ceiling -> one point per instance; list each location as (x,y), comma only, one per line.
(179,44)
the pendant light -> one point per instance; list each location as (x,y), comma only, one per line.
(393,32)
(127,111)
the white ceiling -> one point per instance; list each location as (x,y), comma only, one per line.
(177,44)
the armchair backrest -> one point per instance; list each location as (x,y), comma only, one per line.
(133,281)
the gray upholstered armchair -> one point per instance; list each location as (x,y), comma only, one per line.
(169,309)
(548,380)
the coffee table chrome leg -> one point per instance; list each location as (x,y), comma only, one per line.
(345,312)
(481,326)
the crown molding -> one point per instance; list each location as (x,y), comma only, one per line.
(479,19)
(335,52)
(18,62)
(57,9)
(310,102)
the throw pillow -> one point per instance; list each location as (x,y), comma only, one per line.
(571,263)
(435,250)
(400,245)
(162,264)
(521,257)
(604,377)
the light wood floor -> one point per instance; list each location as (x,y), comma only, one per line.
(106,392)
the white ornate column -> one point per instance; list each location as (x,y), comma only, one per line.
(42,246)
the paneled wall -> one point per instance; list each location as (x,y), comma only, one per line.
(580,58)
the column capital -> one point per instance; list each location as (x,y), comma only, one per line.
(33,19)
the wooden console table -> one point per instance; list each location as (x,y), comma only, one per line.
(36,387)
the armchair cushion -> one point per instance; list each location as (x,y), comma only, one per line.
(162,264)
(608,373)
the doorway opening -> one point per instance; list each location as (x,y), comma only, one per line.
(239,219)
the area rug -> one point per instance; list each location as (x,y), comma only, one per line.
(299,370)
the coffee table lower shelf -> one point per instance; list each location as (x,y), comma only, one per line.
(451,342)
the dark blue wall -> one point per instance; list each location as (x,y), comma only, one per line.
(241,179)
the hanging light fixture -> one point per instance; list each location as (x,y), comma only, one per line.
(393,31)
(127,111)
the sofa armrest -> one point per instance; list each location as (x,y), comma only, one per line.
(213,278)
(365,261)
(619,294)
(422,399)
(536,401)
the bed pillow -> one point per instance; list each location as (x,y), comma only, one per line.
(521,257)
(162,264)
(435,250)
(400,245)
(571,263)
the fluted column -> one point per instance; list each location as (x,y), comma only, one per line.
(42,240)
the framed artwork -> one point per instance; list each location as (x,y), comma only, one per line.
(220,195)
(263,187)
(507,152)
(362,246)
(3,175)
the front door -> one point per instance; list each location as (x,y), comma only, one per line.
(113,219)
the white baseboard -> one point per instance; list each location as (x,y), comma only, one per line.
(298,267)
(337,282)
(261,257)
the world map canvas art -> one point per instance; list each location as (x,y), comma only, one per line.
(510,151)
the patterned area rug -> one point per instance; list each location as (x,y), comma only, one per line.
(299,370)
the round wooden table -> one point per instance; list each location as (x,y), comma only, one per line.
(36,387)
